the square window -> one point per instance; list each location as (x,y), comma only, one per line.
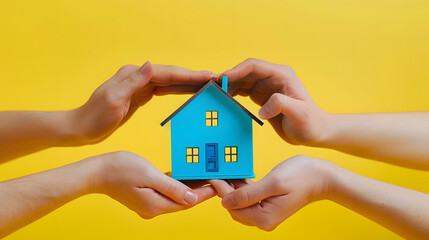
(211,118)
(192,155)
(231,154)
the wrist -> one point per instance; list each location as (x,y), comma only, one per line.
(67,130)
(95,178)
(331,124)
(336,179)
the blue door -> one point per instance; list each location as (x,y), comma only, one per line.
(212,162)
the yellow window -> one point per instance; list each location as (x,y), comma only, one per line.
(192,155)
(211,118)
(231,154)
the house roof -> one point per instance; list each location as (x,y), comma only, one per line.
(212,83)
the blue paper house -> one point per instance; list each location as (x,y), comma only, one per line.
(211,136)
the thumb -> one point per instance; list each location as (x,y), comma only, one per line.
(137,79)
(248,195)
(173,189)
(276,104)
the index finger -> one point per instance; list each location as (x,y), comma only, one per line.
(252,70)
(167,75)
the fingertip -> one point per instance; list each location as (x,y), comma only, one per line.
(190,197)
(263,113)
(145,68)
(229,202)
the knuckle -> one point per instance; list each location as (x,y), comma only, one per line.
(126,69)
(242,196)
(173,189)
(252,61)
(277,97)
(112,97)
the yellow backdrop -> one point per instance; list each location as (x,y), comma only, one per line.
(353,56)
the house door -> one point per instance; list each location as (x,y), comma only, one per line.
(212,159)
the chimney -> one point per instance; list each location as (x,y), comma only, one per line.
(225,83)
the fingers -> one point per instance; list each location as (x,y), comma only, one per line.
(176,89)
(173,189)
(276,104)
(177,75)
(131,79)
(256,68)
(222,187)
(204,193)
(248,195)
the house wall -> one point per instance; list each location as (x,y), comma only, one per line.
(188,129)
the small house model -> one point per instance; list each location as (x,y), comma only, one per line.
(211,136)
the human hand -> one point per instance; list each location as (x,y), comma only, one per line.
(137,184)
(116,100)
(290,186)
(285,101)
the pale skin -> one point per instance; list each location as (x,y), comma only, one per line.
(126,177)
(109,107)
(396,138)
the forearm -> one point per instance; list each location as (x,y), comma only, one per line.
(24,200)
(397,138)
(24,132)
(403,211)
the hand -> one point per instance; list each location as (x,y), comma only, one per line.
(285,101)
(116,100)
(290,186)
(137,184)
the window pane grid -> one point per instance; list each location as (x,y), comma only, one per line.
(192,155)
(231,154)
(211,118)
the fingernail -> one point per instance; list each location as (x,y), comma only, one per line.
(205,71)
(145,68)
(190,197)
(229,201)
(262,113)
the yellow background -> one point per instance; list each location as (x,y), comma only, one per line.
(353,56)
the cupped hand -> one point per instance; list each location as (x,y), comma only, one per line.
(285,101)
(116,100)
(137,184)
(290,186)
